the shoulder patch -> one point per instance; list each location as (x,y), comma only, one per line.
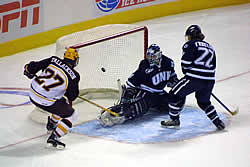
(185,46)
(149,70)
(172,64)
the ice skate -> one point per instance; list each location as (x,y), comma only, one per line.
(51,125)
(171,124)
(219,124)
(54,142)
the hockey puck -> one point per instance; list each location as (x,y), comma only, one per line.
(103,69)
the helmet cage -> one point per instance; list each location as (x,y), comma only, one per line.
(154,54)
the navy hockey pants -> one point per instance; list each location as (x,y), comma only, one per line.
(201,88)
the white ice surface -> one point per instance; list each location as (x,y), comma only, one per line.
(227,29)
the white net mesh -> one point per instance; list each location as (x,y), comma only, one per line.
(109,47)
(90,35)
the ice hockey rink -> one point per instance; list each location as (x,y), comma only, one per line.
(22,141)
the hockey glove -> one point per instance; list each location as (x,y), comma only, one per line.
(27,73)
(128,93)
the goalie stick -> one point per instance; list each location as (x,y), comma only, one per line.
(105,109)
(119,85)
(231,112)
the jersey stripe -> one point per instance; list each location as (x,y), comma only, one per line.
(41,96)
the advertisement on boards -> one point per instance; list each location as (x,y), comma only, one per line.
(118,5)
(19,18)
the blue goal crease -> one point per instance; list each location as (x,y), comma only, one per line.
(147,129)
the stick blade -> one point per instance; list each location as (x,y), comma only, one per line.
(235,111)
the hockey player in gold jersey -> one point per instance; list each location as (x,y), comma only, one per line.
(57,80)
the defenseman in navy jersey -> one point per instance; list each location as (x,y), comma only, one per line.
(198,64)
(145,88)
(57,79)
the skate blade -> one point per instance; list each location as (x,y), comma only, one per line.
(51,146)
(171,127)
(49,132)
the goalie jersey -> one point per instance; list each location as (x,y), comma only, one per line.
(153,78)
(56,80)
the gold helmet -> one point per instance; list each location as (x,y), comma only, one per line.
(72,56)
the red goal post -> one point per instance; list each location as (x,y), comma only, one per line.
(125,32)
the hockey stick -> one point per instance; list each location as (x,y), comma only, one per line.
(119,85)
(97,105)
(231,112)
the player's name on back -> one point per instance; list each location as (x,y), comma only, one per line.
(65,67)
(203,44)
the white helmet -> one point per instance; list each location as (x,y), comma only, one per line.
(154,54)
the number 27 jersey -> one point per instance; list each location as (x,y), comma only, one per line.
(56,80)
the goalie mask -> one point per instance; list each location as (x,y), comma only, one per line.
(194,33)
(72,57)
(154,54)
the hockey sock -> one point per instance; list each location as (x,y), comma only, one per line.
(62,127)
(55,118)
(174,111)
(211,113)
(65,124)
(174,115)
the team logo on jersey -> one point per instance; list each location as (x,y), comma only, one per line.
(161,77)
(109,5)
(149,70)
(185,46)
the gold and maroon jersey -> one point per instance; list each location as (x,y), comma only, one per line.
(57,79)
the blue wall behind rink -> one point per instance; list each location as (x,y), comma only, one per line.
(147,129)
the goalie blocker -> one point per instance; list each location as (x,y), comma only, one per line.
(134,103)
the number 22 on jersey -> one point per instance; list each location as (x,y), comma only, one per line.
(206,57)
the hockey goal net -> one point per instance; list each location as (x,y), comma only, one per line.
(108,56)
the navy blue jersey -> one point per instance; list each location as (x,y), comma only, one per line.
(198,60)
(153,78)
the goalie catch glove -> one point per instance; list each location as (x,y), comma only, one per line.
(27,73)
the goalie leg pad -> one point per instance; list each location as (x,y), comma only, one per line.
(136,109)
(106,119)
(126,111)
